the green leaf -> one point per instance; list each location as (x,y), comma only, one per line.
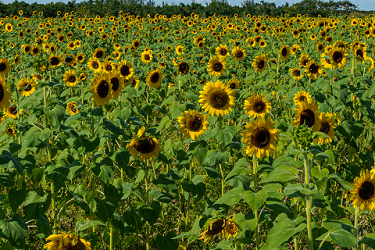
(14,230)
(282,230)
(255,200)
(112,127)
(34,137)
(103,209)
(224,136)
(341,237)
(122,158)
(369,240)
(283,173)
(166,242)
(29,103)
(56,115)
(231,197)
(16,197)
(36,205)
(165,123)
(82,225)
(224,245)
(150,212)
(214,158)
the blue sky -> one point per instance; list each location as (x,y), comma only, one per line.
(362,4)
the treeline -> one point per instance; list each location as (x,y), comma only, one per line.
(143,8)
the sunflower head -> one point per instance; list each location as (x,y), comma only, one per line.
(307,113)
(183,68)
(215,227)
(70,79)
(217,98)
(71,108)
(327,126)
(117,83)
(216,66)
(193,124)
(284,52)
(260,63)
(99,53)
(101,88)
(4,66)
(144,147)
(363,192)
(313,70)
(338,58)
(66,241)
(154,78)
(27,86)
(257,106)
(126,69)
(238,54)
(4,94)
(222,50)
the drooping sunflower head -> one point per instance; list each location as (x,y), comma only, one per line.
(145,147)
(4,66)
(284,52)
(216,66)
(301,96)
(260,137)
(71,108)
(217,98)
(27,86)
(70,79)
(183,68)
(126,69)
(101,88)
(231,229)
(257,106)
(193,124)
(327,126)
(260,63)
(238,53)
(154,78)
(363,192)
(214,228)
(307,113)
(99,53)
(117,81)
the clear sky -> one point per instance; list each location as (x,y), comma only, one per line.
(362,4)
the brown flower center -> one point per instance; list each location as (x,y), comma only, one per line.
(314,68)
(28,87)
(216,227)
(284,52)
(183,67)
(35,50)
(103,89)
(324,127)
(337,56)
(115,83)
(223,52)
(155,77)
(307,117)
(124,70)
(68,59)
(366,191)
(261,137)
(145,146)
(99,54)
(239,54)
(296,73)
(320,47)
(194,123)
(13,110)
(217,66)
(258,106)
(359,53)
(72,78)
(147,57)
(305,61)
(80,58)
(1,93)
(3,66)
(261,64)
(108,67)
(232,85)
(218,98)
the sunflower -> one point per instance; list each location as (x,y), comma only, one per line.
(99,53)
(80,57)
(4,66)
(10,129)
(54,61)
(126,69)
(183,68)
(222,50)
(117,83)
(338,58)
(144,147)
(12,111)
(217,98)
(65,241)
(260,63)
(260,137)
(234,84)
(238,53)
(360,53)
(35,50)
(304,59)
(94,64)
(301,96)
(4,94)
(325,60)
(71,108)
(363,192)
(70,79)
(231,229)
(215,227)
(136,43)
(296,73)
(146,56)
(154,78)
(327,126)
(16,59)
(193,124)
(294,49)
(27,86)
(216,66)
(179,49)
(313,70)
(26,48)
(133,81)
(319,47)
(284,52)
(307,113)
(263,44)
(257,106)
(107,65)
(101,88)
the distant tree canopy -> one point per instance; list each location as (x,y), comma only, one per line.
(144,8)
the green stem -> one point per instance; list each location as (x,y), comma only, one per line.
(308,203)
(255,179)
(355,231)
(111,238)
(321,243)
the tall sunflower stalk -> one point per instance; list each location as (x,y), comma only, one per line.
(308,201)
(255,179)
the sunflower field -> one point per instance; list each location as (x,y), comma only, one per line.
(188,132)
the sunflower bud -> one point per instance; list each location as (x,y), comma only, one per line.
(302,136)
